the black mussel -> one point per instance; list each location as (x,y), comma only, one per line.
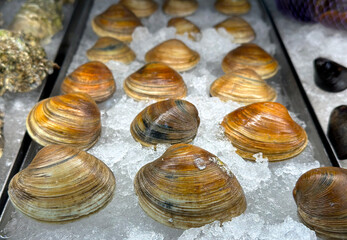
(337,131)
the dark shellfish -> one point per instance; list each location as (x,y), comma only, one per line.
(337,131)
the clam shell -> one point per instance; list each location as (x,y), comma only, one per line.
(183,26)
(180,8)
(72,119)
(188,187)
(243,86)
(170,121)
(337,131)
(233,7)
(155,81)
(321,199)
(62,184)
(264,127)
(251,56)
(240,29)
(116,22)
(141,8)
(175,54)
(106,49)
(93,78)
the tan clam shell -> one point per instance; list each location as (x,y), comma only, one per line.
(62,184)
(250,55)
(264,127)
(155,81)
(116,22)
(180,8)
(243,86)
(93,78)
(183,26)
(141,8)
(175,54)
(240,29)
(106,49)
(72,119)
(188,187)
(232,7)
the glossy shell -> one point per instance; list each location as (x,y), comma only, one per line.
(141,8)
(337,131)
(184,26)
(264,127)
(93,78)
(239,29)
(180,8)
(2,140)
(62,184)
(170,121)
(72,119)
(116,22)
(155,81)
(188,187)
(243,86)
(232,7)
(106,49)
(175,54)
(321,199)
(251,56)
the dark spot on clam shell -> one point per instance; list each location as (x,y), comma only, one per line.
(337,131)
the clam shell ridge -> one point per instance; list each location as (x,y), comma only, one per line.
(320,196)
(241,31)
(62,184)
(180,8)
(155,81)
(170,121)
(72,119)
(264,127)
(183,26)
(233,7)
(141,8)
(188,187)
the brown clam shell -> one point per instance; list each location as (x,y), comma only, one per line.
(250,55)
(180,8)
(264,127)
(93,78)
(183,26)
(175,54)
(141,8)
(233,7)
(155,81)
(240,29)
(188,187)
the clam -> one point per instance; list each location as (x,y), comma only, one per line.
(106,49)
(175,54)
(337,131)
(189,187)
(184,26)
(170,121)
(72,119)
(116,22)
(264,127)
(141,8)
(62,183)
(321,199)
(329,75)
(250,55)
(2,141)
(232,7)
(238,28)
(180,8)
(155,81)
(243,86)
(93,78)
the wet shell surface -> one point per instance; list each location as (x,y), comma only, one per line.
(243,86)
(337,131)
(170,121)
(141,8)
(155,81)
(184,26)
(238,28)
(71,119)
(175,54)
(117,22)
(233,7)
(251,56)
(93,78)
(264,127)
(321,199)
(62,184)
(180,8)
(106,49)
(188,187)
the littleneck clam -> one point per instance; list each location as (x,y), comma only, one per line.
(106,49)
(180,8)
(239,29)
(232,7)
(321,199)
(175,54)
(93,78)
(243,86)
(188,187)
(116,22)
(62,184)
(250,55)
(264,127)
(72,119)
(337,131)
(141,8)
(155,81)
(170,121)
(2,141)
(184,26)
(329,75)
